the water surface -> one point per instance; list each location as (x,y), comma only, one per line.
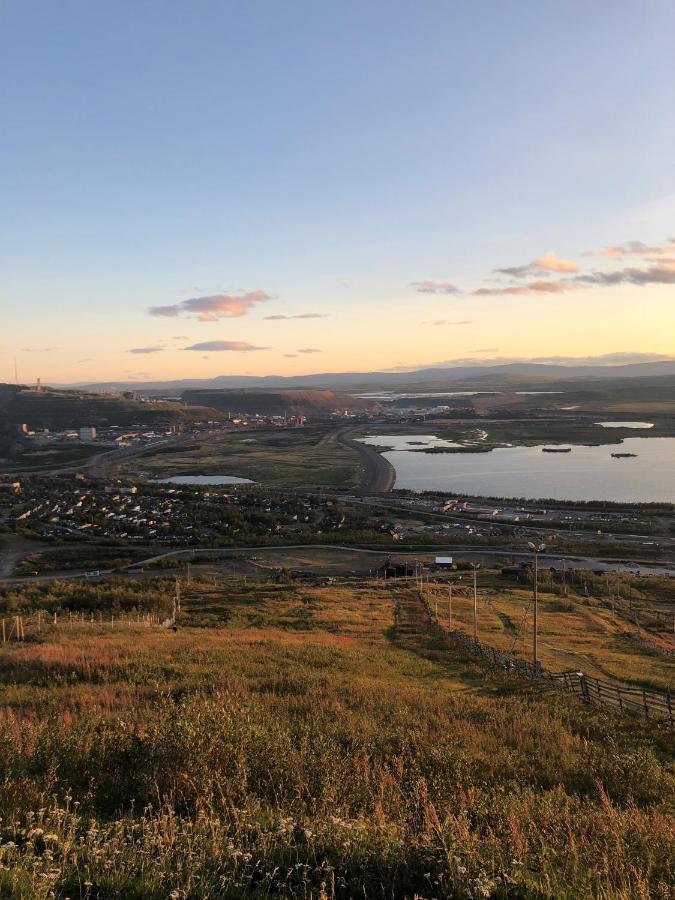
(587,473)
(203,479)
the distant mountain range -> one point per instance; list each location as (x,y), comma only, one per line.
(484,376)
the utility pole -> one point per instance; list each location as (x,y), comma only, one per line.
(450,609)
(536,550)
(564,562)
(475,567)
(176,602)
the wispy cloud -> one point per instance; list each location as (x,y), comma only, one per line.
(427,286)
(449,322)
(638,248)
(280,318)
(146,350)
(310,350)
(233,346)
(214,307)
(659,273)
(291,355)
(549,262)
(541,286)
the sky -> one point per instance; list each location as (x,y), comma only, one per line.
(189,189)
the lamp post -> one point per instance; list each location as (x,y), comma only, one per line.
(536,550)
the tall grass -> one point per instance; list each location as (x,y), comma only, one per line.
(266,761)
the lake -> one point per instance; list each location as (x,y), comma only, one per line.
(587,473)
(625,424)
(202,479)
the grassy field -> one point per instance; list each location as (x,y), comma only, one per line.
(49,457)
(315,742)
(575,632)
(302,457)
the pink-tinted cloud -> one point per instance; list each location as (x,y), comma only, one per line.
(549,262)
(145,350)
(214,307)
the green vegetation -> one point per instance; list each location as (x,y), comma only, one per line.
(49,457)
(301,457)
(299,741)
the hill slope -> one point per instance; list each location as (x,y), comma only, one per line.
(275,403)
(58,409)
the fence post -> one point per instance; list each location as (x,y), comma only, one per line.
(644,698)
(620,696)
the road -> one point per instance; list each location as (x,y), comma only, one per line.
(479,554)
(380,475)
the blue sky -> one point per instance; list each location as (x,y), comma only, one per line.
(328,155)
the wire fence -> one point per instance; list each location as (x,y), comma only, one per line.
(653,705)
(19,628)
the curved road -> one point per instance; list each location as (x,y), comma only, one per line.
(380,475)
(481,554)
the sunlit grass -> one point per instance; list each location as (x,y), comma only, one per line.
(313,742)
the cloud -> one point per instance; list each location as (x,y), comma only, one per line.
(635,248)
(485,350)
(214,307)
(301,316)
(38,349)
(291,355)
(146,350)
(88,359)
(449,322)
(549,262)
(435,287)
(659,273)
(310,350)
(541,286)
(235,346)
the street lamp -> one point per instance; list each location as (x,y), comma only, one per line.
(536,550)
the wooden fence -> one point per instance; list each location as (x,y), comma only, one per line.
(656,706)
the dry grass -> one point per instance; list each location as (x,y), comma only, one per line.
(574,632)
(308,742)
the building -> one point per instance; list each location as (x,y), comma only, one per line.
(88,433)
